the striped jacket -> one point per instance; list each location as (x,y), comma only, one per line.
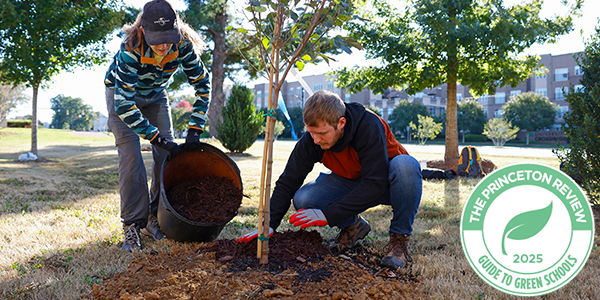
(138,72)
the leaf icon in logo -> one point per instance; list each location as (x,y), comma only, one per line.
(526,225)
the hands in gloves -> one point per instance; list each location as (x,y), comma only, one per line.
(252,235)
(192,140)
(308,217)
(166,145)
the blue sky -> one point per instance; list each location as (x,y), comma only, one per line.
(88,84)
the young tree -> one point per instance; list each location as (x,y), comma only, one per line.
(72,113)
(474,43)
(530,111)
(290,34)
(278,129)
(242,123)
(41,38)
(427,129)
(500,131)
(470,117)
(404,113)
(10,97)
(582,125)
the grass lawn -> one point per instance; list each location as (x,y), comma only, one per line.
(60,230)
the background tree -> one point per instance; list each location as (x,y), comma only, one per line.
(474,43)
(374,109)
(41,38)
(500,131)
(470,117)
(242,123)
(530,111)
(278,129)
(582,125)
(72,113)
(10,97)
(404,113)
(427,129)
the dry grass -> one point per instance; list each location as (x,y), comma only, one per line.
(60,230)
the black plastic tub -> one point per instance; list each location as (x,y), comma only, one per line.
(207,160)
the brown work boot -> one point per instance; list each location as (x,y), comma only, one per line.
(349,235)
(398,256)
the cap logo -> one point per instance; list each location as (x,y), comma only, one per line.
(161,21)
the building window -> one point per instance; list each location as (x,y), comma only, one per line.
(541,92)
(299,91)
(258,95)
(578,70)
(483,98)
(432,111)
(561,74)
(562,110)
(578,88)
(299,102)
(498,113)
(317,87)
(419,95)
(458,96)
(558,93)
(540,74)
(485,113)
(500,98)
(292,91)
(347,97)
(514,93)
(330,85)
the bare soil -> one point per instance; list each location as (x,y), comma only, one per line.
(300,267)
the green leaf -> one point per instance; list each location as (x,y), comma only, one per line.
(306,57)
(229,27)
(265,42)
(526,225)
(242,30)
(300,65)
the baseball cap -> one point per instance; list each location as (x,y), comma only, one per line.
(158,21)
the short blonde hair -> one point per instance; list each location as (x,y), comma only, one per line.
(323,106)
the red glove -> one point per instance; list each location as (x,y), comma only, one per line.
(252,235)
(308,217)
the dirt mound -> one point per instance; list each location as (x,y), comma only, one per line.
(206,199)
(228,270)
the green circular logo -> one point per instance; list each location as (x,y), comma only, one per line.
(527,229)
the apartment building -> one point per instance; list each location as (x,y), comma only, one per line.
(560,75)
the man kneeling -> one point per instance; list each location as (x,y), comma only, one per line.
(368,167)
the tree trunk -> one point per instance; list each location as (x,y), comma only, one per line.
(34,120)
(451,151)
(218,72)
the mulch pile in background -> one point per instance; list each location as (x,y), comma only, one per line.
(206,199)
(487,165)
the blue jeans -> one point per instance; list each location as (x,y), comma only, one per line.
(403,193)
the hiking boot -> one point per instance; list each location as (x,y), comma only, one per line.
(152,229)
(351,234)
(398,256)
(132,239)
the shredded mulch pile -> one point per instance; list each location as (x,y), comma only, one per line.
(487,165)
(206,199)
(226,269)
